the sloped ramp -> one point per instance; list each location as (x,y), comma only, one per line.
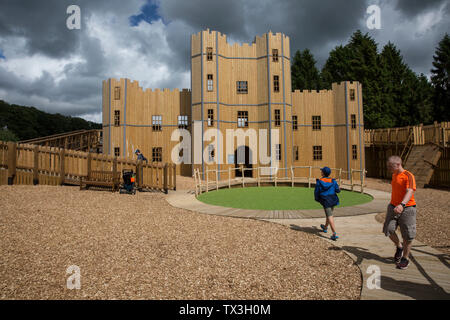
(422,161)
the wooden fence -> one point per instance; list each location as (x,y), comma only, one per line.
(438,133)
(382,143)
(32,164)
(264,175)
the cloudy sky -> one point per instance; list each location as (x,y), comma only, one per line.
(46,65)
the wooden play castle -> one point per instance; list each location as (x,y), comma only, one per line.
(236,86)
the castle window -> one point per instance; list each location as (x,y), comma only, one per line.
(278,151)
(277,118)
(156,123)
(353,117)
(275,55)
(210,152)
(210,82)
(242,119)
(209,54)
(354,152)
(317,152)
(116,118)
(182,122)
(296,153)
(210,117)
(117,93)
(242,86)
(316,122)
(116,152)
(352,94)
(157,154)
(294,123)
(276,83)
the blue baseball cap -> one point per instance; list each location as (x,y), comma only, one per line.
(326,171)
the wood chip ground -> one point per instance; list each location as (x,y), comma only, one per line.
(139,247)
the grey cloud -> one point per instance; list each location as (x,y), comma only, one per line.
(415,7)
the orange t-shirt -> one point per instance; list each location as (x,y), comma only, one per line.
(400,182)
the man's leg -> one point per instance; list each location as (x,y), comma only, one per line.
(407,224)
(393,236)
(406,248)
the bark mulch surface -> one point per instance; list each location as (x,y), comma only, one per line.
(433,214)
(139,247)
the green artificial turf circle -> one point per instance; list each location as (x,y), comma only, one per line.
(276,198)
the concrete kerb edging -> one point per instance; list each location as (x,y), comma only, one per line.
(188,201)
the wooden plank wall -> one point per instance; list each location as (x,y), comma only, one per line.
(33,164)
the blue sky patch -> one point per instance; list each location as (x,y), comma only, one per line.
(2,56)
(148,13)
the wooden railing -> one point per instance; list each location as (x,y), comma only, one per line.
(270,175)
(438,133)
(34,164)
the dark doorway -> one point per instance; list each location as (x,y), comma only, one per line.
(243,155)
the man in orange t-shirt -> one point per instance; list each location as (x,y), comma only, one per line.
(401,211)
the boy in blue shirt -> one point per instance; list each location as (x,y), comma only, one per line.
(325,194)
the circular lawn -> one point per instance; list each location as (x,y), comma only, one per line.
(276,198)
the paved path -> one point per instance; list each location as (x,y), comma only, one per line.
(427,277)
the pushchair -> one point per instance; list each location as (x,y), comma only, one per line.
(129,179)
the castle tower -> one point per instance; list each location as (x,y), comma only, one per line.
(244,86)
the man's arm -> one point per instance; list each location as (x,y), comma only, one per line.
(409,192)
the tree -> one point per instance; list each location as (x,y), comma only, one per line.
(304,74)
(440,80)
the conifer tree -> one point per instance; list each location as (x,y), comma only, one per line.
(305,75)
(440,80)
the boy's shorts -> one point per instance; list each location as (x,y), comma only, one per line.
(328,211)
(406,220)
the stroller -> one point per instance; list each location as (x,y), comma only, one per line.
(129,179)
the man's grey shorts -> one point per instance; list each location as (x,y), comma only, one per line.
(406,220)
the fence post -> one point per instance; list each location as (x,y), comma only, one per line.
(436,133)
(62,171)
(351,177)
(292,176)
(242,173)
(36,165)
(195,182)
(340,173)
(309,177)
(89,166)
(12,162)
(362,182)
(174,177)
(114,173)
(138,173)
(217,180)
(207,180)
(166,178)
(199,181)
(258,177)
(229,177)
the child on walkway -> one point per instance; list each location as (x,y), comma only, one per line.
(325,194)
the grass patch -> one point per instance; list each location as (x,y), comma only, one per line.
(276,198)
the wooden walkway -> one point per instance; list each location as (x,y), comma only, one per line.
(427,277)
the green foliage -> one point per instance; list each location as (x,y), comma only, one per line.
(440,80)
(393,95)
(7,135)
(29,123)
(305,75)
